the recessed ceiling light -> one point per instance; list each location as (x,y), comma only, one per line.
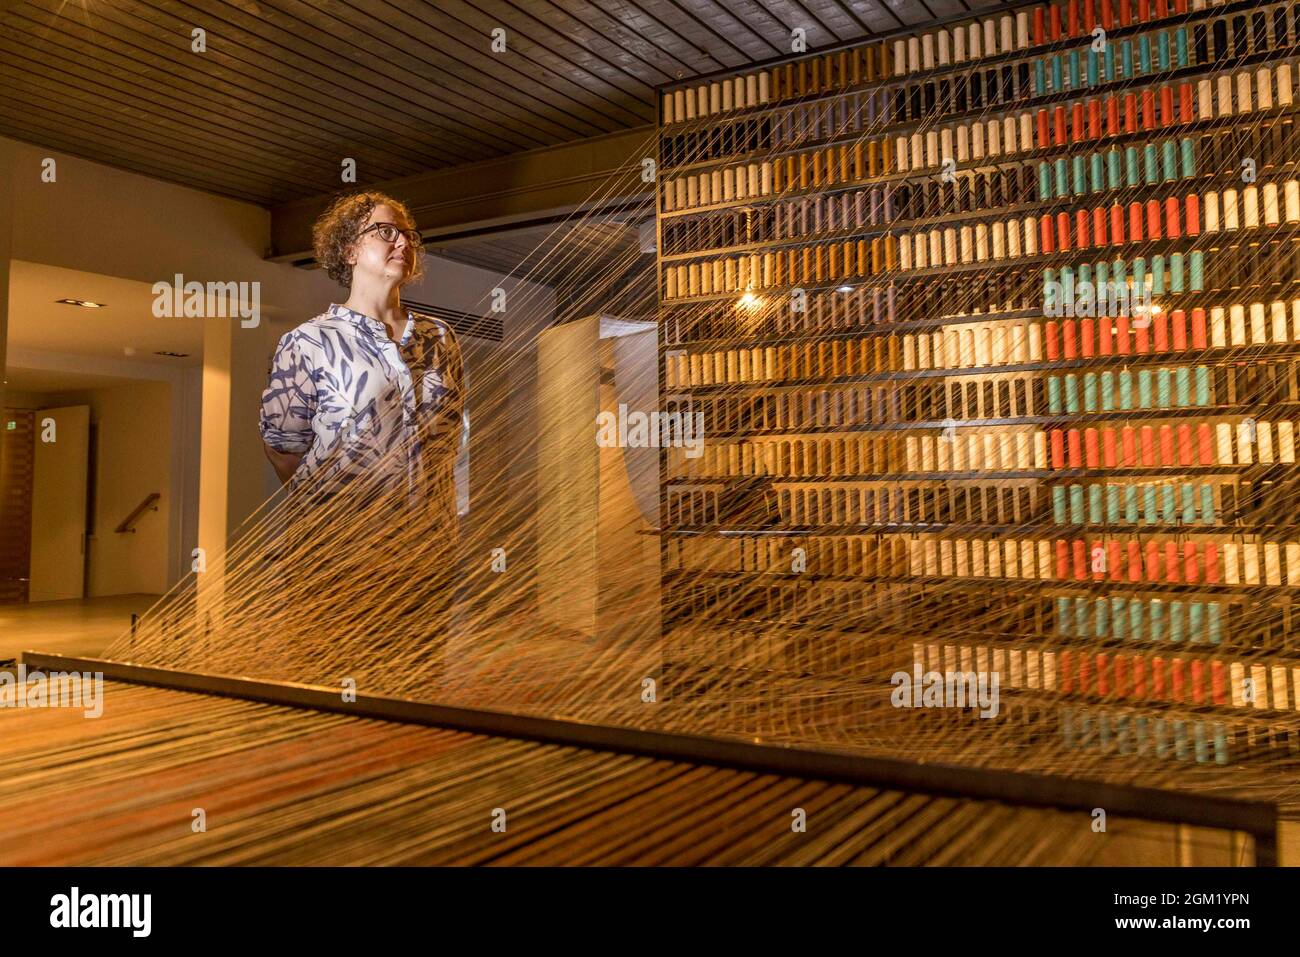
(81,302)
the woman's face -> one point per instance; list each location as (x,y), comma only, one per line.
(380,261)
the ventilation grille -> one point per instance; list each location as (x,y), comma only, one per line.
(491,328)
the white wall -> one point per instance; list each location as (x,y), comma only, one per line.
(107,221)
(133,455)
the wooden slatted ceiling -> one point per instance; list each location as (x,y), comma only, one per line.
(288,88)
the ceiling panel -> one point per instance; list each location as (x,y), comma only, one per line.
(286,90)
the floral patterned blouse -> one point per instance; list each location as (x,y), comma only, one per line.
(362,406)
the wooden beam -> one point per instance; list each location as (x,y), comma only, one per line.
(541,185)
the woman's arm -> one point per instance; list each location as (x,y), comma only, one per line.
(288,405)
(284,463)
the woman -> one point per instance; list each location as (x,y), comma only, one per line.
(362,421)
(366,390)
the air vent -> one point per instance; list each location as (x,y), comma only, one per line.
(490,328)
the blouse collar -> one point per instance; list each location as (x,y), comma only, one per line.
(373,325)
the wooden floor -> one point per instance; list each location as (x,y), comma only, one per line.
(80,626)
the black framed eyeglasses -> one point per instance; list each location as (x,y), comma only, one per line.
(389,232)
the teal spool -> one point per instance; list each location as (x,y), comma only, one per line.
(1058,505)
(1097,173)
(1125,389)
(1183,386)
(1161,735)
(1040,78)
(1107,391)
(1201,376)
(1126,59)
(1063,616)
(1181,750)
(1090,401)
(1081,617)
(1164,394)
(1067,285)
(1062,171)
(1132,172)
(1130,504)
(1158,617)
(1071,392)
(1196,622)
(1180,47)
(1119,266)
(1045,181)
(1076,504)
(1140,272)
(1142,731)
(1054,395)
(1200,744)
(1162,56)
(1188,152)
(1149,514)
(1112,504)
(1151,164)
(1123,736)
(1213,624)
(1169,160)
(1080,171)
(1168,505)
(1176,622)
(1095,504)
(1207,505)
(1058,74)
(1221,755)
(1144,389)
(1176,272)
(1114,173)
(1067,727)
(1144,54)
(1198,271)
(1158,275)
(1076,70)
(1119,616)
(1137,619)
(1187,498)
(1101,618)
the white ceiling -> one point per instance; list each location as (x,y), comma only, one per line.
(37,322)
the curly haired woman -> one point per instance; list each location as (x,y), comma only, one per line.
(362,421)
(367,390)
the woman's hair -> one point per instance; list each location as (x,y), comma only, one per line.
(336,231)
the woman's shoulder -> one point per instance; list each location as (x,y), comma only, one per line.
(433,328)
(311,331)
